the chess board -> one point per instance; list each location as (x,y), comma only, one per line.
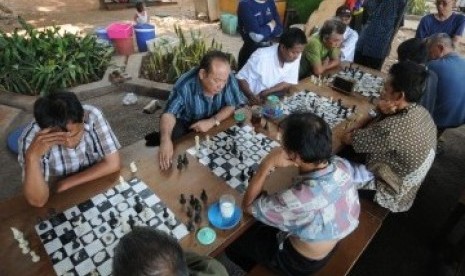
(80,241)
(235,166)
(333,112)
(366,84)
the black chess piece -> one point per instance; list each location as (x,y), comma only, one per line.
(250,172)
(243,177)
(113,220)
(227,176)
(197,205)
(179,163)
(131,222)
(353,108)
(182,199)
(211,164)
(323,116)
(138,207)
(234,148)
(339,102)
(75,243)
(241,157)
(189,212)
(197,218)
(165,213)
(192,201)
(263,142)
(313,103)
(190,226)
(42,224)
(203,196)
(185,160)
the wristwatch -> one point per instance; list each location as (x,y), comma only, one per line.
(217,122)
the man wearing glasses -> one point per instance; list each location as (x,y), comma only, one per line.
(200,100)
(67,144)
(444,21)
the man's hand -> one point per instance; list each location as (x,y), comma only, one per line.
(272,24)
(165,154)
(255,100)
(278,158)
(387,107)
(44,140)
(203,125)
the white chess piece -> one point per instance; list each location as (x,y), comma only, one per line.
(24,249)
(208,141)
(133,167)
(16,233)
(278,136)
(35,257)
(125,226)
(121,180)
(197,142)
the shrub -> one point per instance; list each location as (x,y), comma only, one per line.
(37,62)
(417,7)
(167,63)
(304,8)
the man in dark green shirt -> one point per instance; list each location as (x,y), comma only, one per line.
(322,52)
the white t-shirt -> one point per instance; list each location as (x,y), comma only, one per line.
(263,70)
(142,18)
(348,45)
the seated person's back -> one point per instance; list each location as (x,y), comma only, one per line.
(273,69)
(322,52)
(66,140)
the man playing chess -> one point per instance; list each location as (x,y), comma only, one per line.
(68,142)
(200,100)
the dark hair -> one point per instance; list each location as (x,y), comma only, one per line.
(343,11)
(292,37)
(332,26)
(57,110)
(413,49)
(146,251)
(208,58)
(410,78)
(140,6)
(307,135)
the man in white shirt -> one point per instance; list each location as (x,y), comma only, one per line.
(273,69)
(350,36)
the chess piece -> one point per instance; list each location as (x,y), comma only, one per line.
(133,167)
(189,212)
(241,157)
(185,160)
(192,201)
(138,207)
(16,233)
(197,206)
(227,176)
(131,222)
(263,141)
(353,108)
(234,148)
(250,172)
(75,243)
(165,213)
(182,200)
(190,226)
(278,136)
(179,166)
(113,220)
(125,227)
(203,196)
(243,176)
(197,142)
(265,127)
(121,180)
(34,257)
(197,218)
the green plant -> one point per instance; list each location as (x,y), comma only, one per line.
(417,7)
(304,8)
(37,62)
(167,63)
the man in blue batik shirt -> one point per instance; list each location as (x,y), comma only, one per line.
(258,24)
(200,100)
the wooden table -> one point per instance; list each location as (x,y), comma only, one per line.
(15,212)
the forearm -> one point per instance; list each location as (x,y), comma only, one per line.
(110,164)
(244,86)
(282,86)
(35,188)
(224,113)
(255,187)
(167,123)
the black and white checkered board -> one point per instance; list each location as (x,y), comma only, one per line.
(366,84)
(88,224)
(334,112)
(219,156)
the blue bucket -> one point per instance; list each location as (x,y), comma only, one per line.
(144,32)
(101,33)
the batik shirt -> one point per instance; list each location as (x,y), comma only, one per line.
(97,142)
(320,205)
(406,143)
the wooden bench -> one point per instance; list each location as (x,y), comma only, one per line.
(350,248)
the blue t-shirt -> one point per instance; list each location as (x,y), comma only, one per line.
(253,18)
(429,25)
(449,110)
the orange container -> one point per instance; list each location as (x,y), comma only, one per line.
(124,46)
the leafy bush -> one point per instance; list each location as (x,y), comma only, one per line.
(304,8)
(167,63)
(41,61)
(417,7)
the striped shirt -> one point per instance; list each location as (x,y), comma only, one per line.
(97,141)
(320,205)
(188,102)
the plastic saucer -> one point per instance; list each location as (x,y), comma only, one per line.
(215,218)
(206,235)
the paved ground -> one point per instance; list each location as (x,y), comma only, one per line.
(402,247)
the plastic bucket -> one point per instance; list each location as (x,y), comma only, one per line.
(124,46)
(102,34)
(228,23)
(144,32)
(119,30)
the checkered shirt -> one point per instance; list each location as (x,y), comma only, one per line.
(97,142)
(320,205)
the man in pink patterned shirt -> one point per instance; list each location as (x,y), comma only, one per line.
(301,225)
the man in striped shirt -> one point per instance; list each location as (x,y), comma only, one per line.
(200,100)
(67,144)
